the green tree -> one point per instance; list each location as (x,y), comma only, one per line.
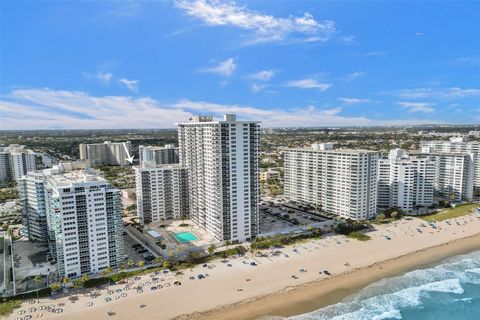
(55,286)
(167,264)
(106,272)
(65,280)
(140,263)
(37,279)
(77,284)
(130,263)
(157,260)
(211,249)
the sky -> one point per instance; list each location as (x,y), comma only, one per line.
(152,64)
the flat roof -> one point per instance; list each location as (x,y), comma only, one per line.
(154,233)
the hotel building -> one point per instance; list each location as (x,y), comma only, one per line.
(223,187)
(340,182)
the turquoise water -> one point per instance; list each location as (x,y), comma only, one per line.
(448,291)
(183,237)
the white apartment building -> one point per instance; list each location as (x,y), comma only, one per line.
(84,223)
(270,174)
(162,192)
(158,155)
(223,187)
(404,182)
(454,174)
(31,189)
(15,162)
(457,145)
(340,182)
(107,153)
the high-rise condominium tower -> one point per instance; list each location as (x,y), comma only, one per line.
(340,182)
(15,162)
(404,182)
(31,188)
(222,162)
(158,155)
(162,192)
(84,223)
(457,145)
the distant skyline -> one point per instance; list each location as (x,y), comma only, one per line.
(132,64)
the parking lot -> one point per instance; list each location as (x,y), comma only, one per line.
(130,245)
(31,260)
(278,217)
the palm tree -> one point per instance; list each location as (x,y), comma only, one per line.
(129,263)
(227,243)
(37,279)
(211,249)
(77,283)
(84,279)
(167,264)
(157,260)
(55,286)
(65,280)
(106,272)
(140,263)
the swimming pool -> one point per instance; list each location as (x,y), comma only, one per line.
(183,237)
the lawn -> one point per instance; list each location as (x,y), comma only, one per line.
(359,236)
(6,307)
(459,211)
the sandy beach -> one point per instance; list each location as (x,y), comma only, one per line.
(275,286)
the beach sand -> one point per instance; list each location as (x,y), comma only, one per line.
(243,291)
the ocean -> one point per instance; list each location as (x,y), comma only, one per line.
(447,291)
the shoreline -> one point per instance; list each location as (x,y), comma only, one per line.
(288,283)
(305,298)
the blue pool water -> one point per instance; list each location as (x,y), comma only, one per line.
(448,291)
(183,237)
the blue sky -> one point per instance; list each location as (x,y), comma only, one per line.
(132,64)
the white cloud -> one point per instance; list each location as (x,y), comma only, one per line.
(131,85)
(104,77)
(375,54)
(264,75)
(449,93)
(419,34)
(258,87)
(45,108)
(424,107)
(309,84)
(353,100)
(354,75)
(468,61)
(265,28)
(224,68)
